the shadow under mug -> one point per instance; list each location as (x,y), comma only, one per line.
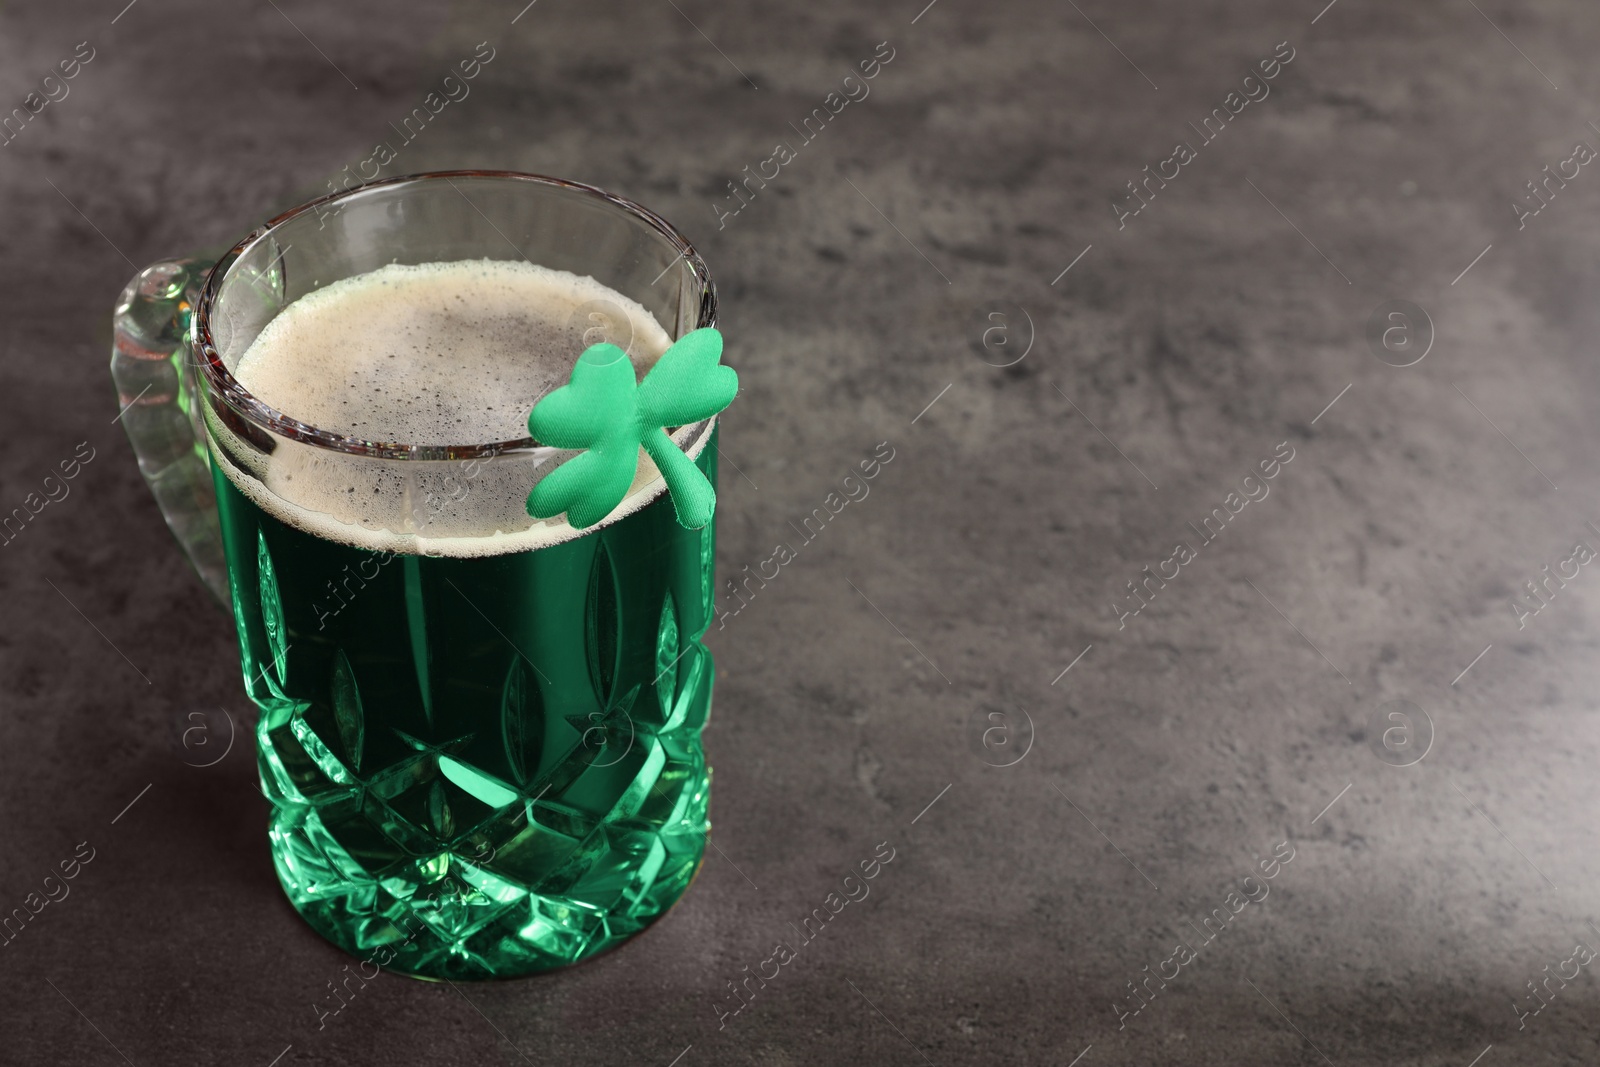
(481,762)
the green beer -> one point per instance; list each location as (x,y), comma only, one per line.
(480,734)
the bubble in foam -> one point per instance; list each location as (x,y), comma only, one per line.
(431,354)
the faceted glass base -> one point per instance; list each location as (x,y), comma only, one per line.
(461,917)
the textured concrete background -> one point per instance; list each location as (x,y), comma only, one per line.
(857,287)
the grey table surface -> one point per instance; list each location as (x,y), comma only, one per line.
(1056,835)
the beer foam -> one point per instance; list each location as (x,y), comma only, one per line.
(430,354)
(438,353)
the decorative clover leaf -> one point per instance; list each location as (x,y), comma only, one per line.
(606,412)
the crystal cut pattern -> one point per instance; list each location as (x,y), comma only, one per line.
(479,767)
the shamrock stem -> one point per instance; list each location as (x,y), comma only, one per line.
(693,499)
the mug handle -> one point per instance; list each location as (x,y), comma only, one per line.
(157,392)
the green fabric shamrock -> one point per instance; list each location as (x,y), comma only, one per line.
(605,410)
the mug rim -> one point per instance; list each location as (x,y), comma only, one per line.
(221,384)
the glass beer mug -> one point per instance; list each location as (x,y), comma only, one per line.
(481,762)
